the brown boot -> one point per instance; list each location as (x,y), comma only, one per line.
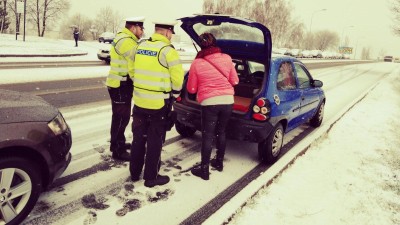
(201,171)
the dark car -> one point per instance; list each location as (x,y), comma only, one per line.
(388,58)
(275,94)
(34,150)
(106,37)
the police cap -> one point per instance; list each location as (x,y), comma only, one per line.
(137,21)
(166,25)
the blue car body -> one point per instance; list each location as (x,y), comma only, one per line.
(275,92)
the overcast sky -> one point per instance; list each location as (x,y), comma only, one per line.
(371,19)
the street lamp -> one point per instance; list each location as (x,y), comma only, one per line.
(312,15)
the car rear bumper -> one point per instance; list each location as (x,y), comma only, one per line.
(238,128)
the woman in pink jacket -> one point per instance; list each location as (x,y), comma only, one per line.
(212,76)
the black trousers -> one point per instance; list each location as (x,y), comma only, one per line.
(121,103)
(214,119)
(149,131)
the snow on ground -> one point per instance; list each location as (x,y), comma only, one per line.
(350,176)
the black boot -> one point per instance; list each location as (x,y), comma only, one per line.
(160,180)
(121,155)
(201,171)
(217,163)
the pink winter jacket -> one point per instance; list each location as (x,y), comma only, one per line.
(207,81)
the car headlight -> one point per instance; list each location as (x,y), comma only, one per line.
(58,125)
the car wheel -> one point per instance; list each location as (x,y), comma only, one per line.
(20,188)
(183,130)
(269,149)
(316,120)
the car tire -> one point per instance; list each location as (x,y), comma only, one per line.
(316,120)
(183,130)
(22,173)
(269,149)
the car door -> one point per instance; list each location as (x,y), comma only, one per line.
(288,94)
(309,95)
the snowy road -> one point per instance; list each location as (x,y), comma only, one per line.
(95,188)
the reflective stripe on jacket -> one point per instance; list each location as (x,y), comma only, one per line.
(158,72)
(121,57)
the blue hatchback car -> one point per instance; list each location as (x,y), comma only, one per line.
(275,94)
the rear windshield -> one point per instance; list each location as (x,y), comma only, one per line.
(231,31)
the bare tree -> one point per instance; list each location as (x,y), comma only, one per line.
(104,19)
(365,53)
(43,12)
(4,19)
(296,35)
(17,16)
(396,16)
(83,23)
(325,39)
(275,14)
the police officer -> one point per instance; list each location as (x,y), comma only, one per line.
(157,79)
(120,85)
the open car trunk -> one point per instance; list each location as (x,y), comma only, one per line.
(247,42)
(251,77)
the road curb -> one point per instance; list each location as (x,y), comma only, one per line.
(42,55)
(225,214)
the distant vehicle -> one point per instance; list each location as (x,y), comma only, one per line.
(106,37)
(275,94)
(34,150)
(388,58)
(306,54)
(346,56)
(283,51)
(396,60)
(295,52)
(316,53)
(104,54)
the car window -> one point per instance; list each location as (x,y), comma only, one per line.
(254,66)
(303,76)
(231,31)
(286,79)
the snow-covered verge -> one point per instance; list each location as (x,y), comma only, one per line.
(350,176)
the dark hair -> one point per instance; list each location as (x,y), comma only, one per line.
(207,40)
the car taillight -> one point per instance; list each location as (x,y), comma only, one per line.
(178,99)
(261,109)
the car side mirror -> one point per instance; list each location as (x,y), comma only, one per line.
(317,83)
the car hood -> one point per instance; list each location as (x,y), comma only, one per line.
(236,36)
(17,107)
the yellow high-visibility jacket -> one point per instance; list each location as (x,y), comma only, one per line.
(121,58)
(158,73)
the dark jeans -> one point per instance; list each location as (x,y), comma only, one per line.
(148,127)
(121,103)
(214,119)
